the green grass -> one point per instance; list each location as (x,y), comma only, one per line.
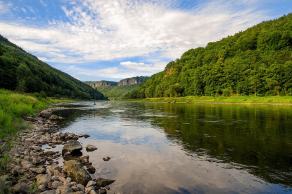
(15,106)
(223,99)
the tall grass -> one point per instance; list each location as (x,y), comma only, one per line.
(15,106)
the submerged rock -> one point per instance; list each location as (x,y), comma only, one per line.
(72,148)
(85,136)
(101,182)
(75,170)
(90,148)
(106,158)
(90,169)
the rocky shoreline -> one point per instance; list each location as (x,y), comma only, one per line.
(33,169)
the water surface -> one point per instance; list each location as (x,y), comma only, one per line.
(184,148)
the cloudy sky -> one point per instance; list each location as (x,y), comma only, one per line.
(114,39)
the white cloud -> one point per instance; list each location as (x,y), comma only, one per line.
(106,30)
(142,68)
(126,69)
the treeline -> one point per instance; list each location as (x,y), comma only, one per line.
(23,72)
(257,61)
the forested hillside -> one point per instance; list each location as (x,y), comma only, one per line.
(23,72)
(118,92)
(257,61)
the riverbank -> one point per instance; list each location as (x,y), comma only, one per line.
(47,161)
(14,107)
(231,99)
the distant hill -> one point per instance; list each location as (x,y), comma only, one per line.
(118,90)
(24,72)
(257,61)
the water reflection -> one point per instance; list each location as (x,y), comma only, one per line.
(182,148)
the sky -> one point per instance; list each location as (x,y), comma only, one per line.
(116,39)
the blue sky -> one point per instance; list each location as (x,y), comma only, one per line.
(115,39)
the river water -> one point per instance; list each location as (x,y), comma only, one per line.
(188,148)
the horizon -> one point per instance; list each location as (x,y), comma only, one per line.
(110,41)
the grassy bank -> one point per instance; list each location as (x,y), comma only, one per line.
(15,106)
(223,99)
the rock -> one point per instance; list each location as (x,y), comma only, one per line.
(31,119)
(84,159)
(93,192)
(101,182)
(65,189)
(42,179)
(91,148)
(55,118)
(26,164)
(16,170)
(21,188)
(102,191)
(90,169)
(106,158)
(39,170)
(42,187)
(91,184)
(81,187)
(78,192)
(85,136)
(46,113)
(72,148)
(68,136)
(88,189)
(49,192)
(56,184)
(75,170)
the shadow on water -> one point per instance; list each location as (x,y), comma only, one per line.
(258,138)
(253,138)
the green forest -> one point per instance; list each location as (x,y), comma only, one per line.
(256,62)
(24,72)
(117,92)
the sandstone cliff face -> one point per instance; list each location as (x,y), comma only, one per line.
(124,82)
(98,84)
(132,81)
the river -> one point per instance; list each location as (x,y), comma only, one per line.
(187,148)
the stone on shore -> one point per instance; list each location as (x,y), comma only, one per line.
(75,170)
(42,179)
(22,188)
(84,160)
(49,192)
(46,113)
(55,118)
(90,148)
(72,148)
